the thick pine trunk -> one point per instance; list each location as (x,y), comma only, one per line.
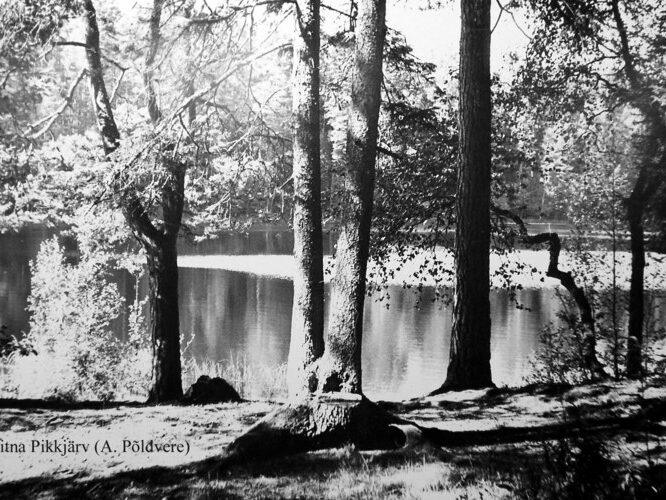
(161,251)
(340,367)
(307,324)
(166,384)
(162,256)
(160,244)
(469,361)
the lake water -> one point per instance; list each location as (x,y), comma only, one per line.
(238,315)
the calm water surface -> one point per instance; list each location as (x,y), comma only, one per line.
(236,315)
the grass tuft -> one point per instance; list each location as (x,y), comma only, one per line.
(250,380)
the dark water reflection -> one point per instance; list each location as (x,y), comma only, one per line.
(242,316)
(405,346)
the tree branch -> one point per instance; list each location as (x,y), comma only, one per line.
(513,17)
(70,43)
(338,11)
(85,46)
(214,19)
(139,222)
(49,120)
(116,86)
(629,68)
(388,152)
(233,69)
(566,280)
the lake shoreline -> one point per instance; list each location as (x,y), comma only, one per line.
(525,269)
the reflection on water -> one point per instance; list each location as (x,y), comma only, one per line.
(243,316)
(405,346)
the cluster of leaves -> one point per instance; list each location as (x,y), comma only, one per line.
(590,86)
(415,178)
(48,184)
(74,352)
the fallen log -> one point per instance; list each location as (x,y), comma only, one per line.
(333,420)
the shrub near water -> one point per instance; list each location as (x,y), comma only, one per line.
(77,355)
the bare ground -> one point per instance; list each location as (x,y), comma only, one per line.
(511,442)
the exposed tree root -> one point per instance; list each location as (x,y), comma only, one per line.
(336,419)
(326,420)
(449,387)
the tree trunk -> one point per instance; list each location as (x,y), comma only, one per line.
(100,98)
(161,251)
(162,256)
(166,384)
(647,184)
(635,209)
(159,243)
(192,107)
(469,360)
(328,183)
(340,367)
(307,323)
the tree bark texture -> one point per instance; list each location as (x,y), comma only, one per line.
(340,367)
(161,253)
(648,182)
(100,98)
(307,323)
(469,360)
(166,383)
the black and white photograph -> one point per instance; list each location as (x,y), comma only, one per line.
(333,249)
